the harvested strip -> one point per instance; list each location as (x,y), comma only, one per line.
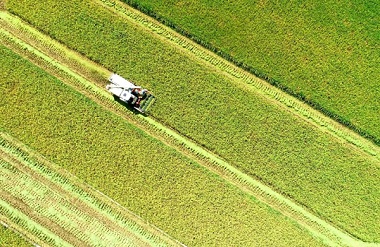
(82,195)
(28,227)
(52,195)
(47,208)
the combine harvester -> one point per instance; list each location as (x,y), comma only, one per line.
(140,99)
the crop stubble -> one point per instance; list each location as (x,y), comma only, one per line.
(75,211)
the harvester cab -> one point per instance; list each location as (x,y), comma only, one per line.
(140,99)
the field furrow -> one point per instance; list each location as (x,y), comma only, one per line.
(319,227)
(53,200)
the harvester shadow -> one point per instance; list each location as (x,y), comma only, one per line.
(128,106)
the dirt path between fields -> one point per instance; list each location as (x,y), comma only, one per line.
(80,73)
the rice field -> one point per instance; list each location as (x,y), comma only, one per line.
(156,194)
(267,140)
(201,98)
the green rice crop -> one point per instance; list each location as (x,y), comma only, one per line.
(9,238)
(151,179)
(326,53)
(267,142)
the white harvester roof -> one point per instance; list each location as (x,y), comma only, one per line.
(124,90)
(120,81)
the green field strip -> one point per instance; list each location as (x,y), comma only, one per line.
(298,107)
(257,189)
(10,237)
(85,201)
(311,50)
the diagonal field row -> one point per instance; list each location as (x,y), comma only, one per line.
(78,214)
(272,198)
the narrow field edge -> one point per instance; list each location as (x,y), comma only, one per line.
(281,202)
(93,198)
